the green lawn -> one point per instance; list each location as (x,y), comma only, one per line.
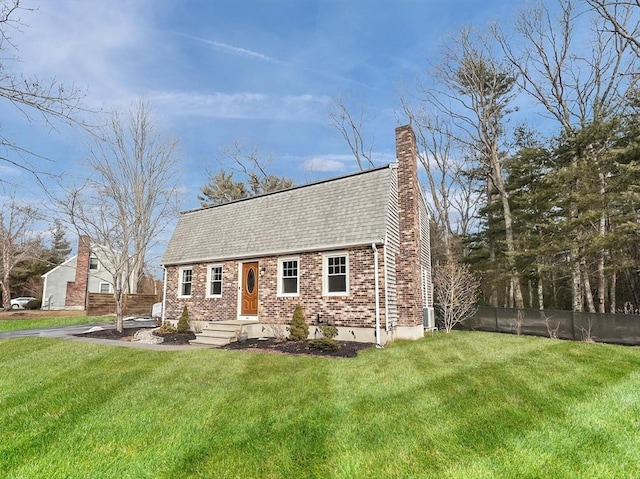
(7,325)
(465,405)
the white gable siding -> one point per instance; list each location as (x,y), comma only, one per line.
(391,249)
(425,254)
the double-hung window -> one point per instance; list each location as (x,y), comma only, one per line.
(288,277)
(93,263)
(105,288)
(214,281)
(335,277)
(186,281)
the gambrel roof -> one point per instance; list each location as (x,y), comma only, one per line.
(332,214)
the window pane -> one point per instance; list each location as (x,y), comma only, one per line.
(186,282)
(337,284)
(215,283)
(216,273)
(104,288)
(93,263)
(289,285)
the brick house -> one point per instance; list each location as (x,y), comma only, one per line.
(353,251)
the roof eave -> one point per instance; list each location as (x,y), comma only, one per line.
(311,249)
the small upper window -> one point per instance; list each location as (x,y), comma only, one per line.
(186,280)
(336,275)
(93,263)
(288,277)
(214,281)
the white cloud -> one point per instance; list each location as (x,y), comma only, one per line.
(325,164)
(242,105)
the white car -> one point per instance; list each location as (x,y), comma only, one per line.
(21,302)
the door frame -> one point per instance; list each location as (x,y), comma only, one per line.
(240,288)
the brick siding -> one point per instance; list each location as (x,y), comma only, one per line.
(408,271)
(355,310)
(76,294)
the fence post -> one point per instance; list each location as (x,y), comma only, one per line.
(573,325)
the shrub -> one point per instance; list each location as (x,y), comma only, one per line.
(329,331)
(278,331)
(325,344)
(166,328)
(299,330)
(33,304)
(183,322)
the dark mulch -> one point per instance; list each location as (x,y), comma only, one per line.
(348,349)
(173,339)
(176,339)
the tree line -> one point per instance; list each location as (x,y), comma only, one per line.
(546,210)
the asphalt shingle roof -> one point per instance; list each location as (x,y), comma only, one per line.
(332,214)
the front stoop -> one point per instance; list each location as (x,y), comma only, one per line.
(220,333)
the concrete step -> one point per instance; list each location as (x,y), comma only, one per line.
(210,333)
(211,341)
(219,326)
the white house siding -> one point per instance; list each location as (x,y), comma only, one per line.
(55,284)
(391,248)
(54,291)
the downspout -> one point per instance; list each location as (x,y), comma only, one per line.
(386,286)
(164,295)
(376,287)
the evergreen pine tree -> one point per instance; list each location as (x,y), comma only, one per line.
(299,330)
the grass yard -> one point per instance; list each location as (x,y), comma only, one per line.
(464,405)
(13,324)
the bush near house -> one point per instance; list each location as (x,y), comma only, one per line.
(299,330)
(183,322)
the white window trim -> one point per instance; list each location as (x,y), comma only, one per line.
(180,275)
(97,268)
(108,284)
(325,273)
(209,269)
(280,270)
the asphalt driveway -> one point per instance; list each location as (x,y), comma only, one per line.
(68,332)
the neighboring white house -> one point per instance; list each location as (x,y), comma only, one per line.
(67,285)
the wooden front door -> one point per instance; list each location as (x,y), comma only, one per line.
(249,289)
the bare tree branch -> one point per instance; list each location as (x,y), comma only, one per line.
(351,128)
(130,197)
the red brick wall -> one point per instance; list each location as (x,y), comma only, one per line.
(200,307)
(355,310)
(408,277)
(76,294)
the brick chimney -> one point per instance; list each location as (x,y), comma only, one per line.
(408,272)
(77,290)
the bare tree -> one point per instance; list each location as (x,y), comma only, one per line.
(130,197)
(453,198)
(474,91)
(619,15)
(251,166)
(18,242)
(48,100)
(456,291)
(351,128)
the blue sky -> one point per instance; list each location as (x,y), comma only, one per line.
(217,71)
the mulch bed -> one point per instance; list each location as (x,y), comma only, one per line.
(173,339)
(348,349)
